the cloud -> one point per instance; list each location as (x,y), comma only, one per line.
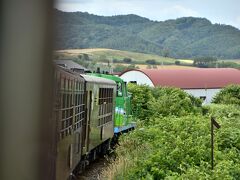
(236,22)
(183,11)
(224,12)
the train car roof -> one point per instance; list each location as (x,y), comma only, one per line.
(98,80)
(107,76)
(67,71)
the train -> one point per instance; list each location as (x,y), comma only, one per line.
(90,111)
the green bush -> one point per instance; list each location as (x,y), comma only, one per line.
(141,96)
(179,148)
(162,101)
(173,101)
(228,95)
(175,141)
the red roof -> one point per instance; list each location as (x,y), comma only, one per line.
(196,78)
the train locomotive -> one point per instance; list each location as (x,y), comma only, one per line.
(90,111)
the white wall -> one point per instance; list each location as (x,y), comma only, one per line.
(138,76)
(209,93)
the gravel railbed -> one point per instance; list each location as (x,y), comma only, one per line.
(93,171)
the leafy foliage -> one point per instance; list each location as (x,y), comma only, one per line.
(177,62)
(173,101)
(205,61)
(228,95)
(187,37)
(127,60)
(174,145)
(151,61)
(228,64)
(179,148)
(141,96)
(154,102)
(121,68)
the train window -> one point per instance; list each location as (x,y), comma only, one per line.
(105,96)
(79,105)
(119,89)
(72,105)
(105,105)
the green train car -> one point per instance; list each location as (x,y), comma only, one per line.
(123,112)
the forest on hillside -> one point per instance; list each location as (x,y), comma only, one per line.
(186,37)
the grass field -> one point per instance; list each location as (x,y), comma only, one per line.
(144,66)
(186,61)
(111,54)
(100,54)
(231,60)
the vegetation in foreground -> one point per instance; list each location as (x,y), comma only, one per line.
(175,143)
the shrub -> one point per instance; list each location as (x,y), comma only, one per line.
(177,62)
(179,148)
(162,101)
(127,60)
(228,95)
(175,141)
(151,61)
(141,96)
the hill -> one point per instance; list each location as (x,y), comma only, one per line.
(186,37)
(101,57)
(105,55)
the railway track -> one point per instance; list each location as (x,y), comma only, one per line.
(94,170)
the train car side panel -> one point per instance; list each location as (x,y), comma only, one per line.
(100,110)
(69,116)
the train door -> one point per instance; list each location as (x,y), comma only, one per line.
(86,125)
(89,118)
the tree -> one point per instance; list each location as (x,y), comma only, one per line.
(115,61)
(86,57)
(127,60)
(151,61)
(205,61)
(228,95)
(166,53)
(177,62)
(119,68)
(132,66)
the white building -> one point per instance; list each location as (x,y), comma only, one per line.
(200,82)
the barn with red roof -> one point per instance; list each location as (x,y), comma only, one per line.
(200,82)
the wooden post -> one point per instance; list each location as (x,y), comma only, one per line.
(213,123)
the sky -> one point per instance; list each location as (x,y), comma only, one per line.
(217,11)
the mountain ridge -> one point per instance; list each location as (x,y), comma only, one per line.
(185,37)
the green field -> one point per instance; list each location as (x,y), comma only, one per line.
(101,54)
(102,57)
(231,60)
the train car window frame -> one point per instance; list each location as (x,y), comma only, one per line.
(105,102)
